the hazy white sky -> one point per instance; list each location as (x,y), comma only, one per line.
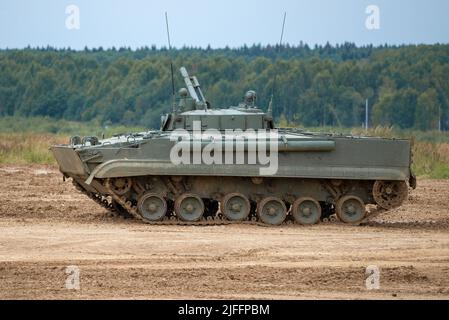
(219,23)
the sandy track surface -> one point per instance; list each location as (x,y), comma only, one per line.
(45,226)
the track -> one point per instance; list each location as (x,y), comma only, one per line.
(132,211)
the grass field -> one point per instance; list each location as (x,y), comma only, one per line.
(27,141)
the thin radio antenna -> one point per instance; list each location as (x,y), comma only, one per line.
(171,65)
(270,106)
(282,33)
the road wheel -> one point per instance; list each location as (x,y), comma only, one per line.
(152,206)
(235,207)
(272,211)
(350,209)
(189,207)
(306,211)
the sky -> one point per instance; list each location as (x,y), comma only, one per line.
(219,23)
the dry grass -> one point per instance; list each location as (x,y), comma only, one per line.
(379,131)
(27,148)
(431,159)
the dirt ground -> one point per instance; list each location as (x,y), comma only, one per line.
(46,226)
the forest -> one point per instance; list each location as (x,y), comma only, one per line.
(406,86)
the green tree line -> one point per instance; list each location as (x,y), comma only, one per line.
(406,86)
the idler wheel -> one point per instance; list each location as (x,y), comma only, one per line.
(390,194)
(306,211)
(272,210)
(350,209)
(235,206)
(189,207)
(120,186)
(152,206)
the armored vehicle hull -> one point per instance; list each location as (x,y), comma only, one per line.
(219,174)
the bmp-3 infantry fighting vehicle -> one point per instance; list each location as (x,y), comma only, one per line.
(203,168)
